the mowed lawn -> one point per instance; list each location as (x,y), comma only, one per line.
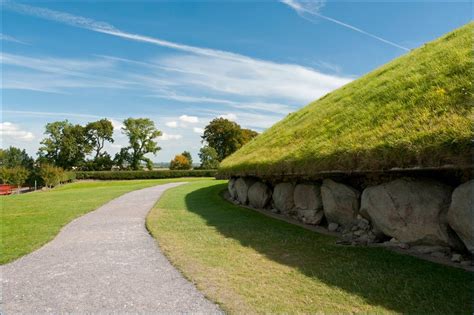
(30,220)
(249,263)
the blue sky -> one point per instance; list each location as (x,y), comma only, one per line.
(184,63)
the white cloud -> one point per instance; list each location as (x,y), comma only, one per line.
(118,125)
(12,39)
(189,119)
(172,124)
(14,131)
(257,79)
(198,130)
(311,8)
(216,70)
(166,137)
(230,116)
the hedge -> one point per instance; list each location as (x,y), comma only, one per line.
(124,175)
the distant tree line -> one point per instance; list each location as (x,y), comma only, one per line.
(68,146)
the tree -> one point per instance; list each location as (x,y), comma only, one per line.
(122,158)
(65,145)
(226,136)
(19,175)
(51,175)
(97,133)
(180,162)
(208,156)
(141,133)
(13,157)
(5,175)
(188,156)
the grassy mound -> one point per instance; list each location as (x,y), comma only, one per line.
(415,111)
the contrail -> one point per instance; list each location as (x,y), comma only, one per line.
(313,7)
(106,28)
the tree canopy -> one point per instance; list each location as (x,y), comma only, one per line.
(141,133)
(226,136)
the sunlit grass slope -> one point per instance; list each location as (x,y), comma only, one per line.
(251,264)
(413,111)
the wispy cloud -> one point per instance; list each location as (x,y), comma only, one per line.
(308,9)
(55,114)
(12,39)
(217,70)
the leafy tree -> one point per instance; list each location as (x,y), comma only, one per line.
(103,162)
(51,175)
(19,175)
(209,159)
(141,133)
(13,157)
(188,156)
(180,162)
(97,133)
(122,158)
(5,175)
(226,136)
(65,145)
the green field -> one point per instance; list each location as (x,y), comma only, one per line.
(414,111)
(249,263)
(30,220)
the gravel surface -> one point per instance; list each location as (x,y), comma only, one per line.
(102,262)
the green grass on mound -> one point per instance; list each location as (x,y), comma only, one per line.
(414,111)
(249,263)
(30,220)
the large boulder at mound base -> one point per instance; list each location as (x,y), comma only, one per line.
(259,195)
(340,202)
(308,203)
(412,211)
(283,197)
(231,188)
(308,197)
(242,186)
(461,214)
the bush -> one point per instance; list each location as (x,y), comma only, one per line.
(51,175)
(125,175)
(16,176)
(180,162)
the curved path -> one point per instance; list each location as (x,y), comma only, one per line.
(104,261)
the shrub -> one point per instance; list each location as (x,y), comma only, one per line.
(51,175)
(5,175)
(126,175)
(180,162)
(19,175)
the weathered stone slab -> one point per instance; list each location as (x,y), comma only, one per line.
(340,202)
(231,188)
(308,197)
(461,213)
(283,197)
(412,211)
(242,186)
(259,195)
(312,217)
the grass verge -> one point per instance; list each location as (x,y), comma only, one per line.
(31,220)
(249,263)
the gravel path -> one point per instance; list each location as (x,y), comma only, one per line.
(102,262)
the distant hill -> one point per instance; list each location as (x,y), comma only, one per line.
(415,111)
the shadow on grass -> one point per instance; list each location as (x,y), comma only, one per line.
(397,282)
